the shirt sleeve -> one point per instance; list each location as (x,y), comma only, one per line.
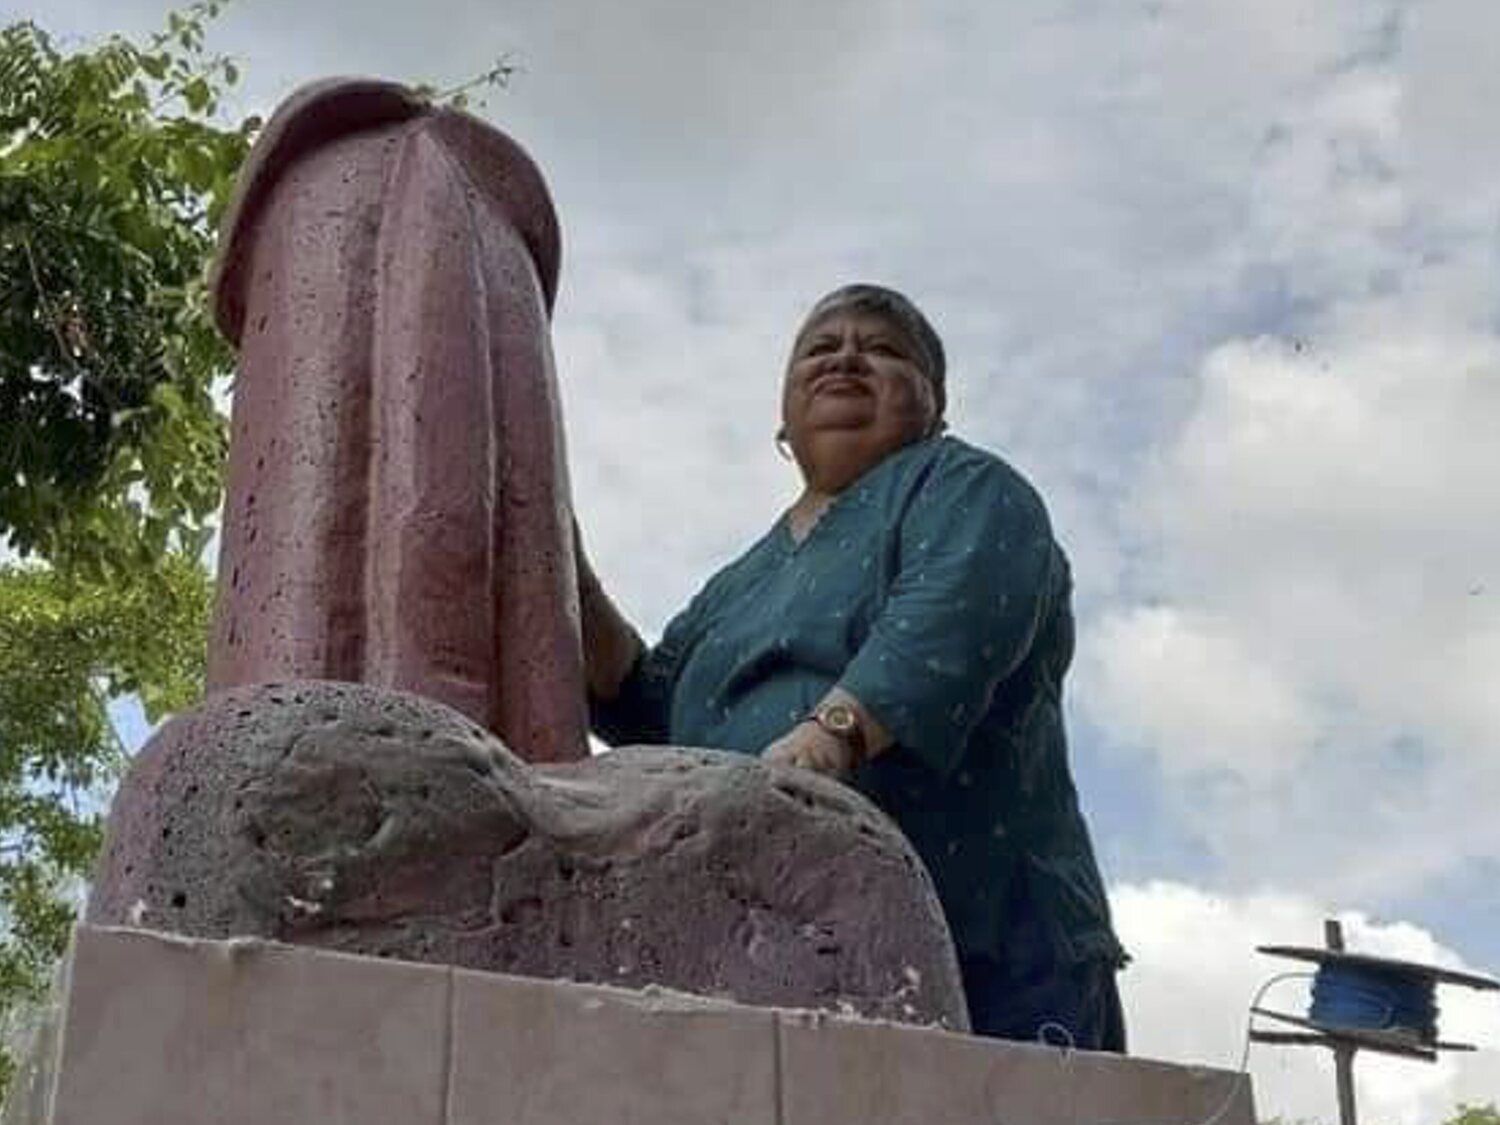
(977,564)
(641,712)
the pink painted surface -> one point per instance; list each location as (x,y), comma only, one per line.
(398,509)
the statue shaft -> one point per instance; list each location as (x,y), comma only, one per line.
(398,510)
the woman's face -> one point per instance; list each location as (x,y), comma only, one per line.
(854,390)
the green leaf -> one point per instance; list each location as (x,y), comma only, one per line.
(197,94)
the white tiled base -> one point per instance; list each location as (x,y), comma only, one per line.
(156,1030)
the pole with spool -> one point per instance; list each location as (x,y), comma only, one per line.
(1365,1003)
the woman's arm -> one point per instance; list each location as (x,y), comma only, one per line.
(611,646)
(979,574)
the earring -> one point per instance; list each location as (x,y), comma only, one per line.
(781,445)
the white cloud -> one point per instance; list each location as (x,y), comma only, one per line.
(1152,665)
(1327,535)
(1303,636)
(1188,992)
(1449,143)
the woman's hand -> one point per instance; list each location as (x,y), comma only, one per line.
(809,746)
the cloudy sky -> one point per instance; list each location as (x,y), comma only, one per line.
(1220,276)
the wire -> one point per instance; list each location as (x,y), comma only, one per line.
(1242,1071)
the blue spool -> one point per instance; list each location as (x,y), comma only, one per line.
(1377,1003)
(1360,997)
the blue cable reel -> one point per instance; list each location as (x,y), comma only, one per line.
(1375,1003)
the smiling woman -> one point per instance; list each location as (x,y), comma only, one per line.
(905,626)
(865,379)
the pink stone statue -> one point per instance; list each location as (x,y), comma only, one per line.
(398,510)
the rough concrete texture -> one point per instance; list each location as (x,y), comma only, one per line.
(397,508)
(342,816)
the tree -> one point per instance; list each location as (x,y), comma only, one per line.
(113,173)
(67,649)
(1475,1115)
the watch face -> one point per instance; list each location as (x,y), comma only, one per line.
(839,719)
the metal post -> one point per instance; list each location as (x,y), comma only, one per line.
(1343,1056)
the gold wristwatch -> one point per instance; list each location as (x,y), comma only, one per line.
(841,721)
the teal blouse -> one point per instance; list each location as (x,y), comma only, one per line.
(932,591)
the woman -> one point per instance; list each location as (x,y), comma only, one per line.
(904,626)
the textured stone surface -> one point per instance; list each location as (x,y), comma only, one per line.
(341,816)
(157,1030)
(397,508)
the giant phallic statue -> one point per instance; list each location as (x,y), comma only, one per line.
(398,509)
(393,758)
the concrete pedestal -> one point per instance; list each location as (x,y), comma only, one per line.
(155,1030)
